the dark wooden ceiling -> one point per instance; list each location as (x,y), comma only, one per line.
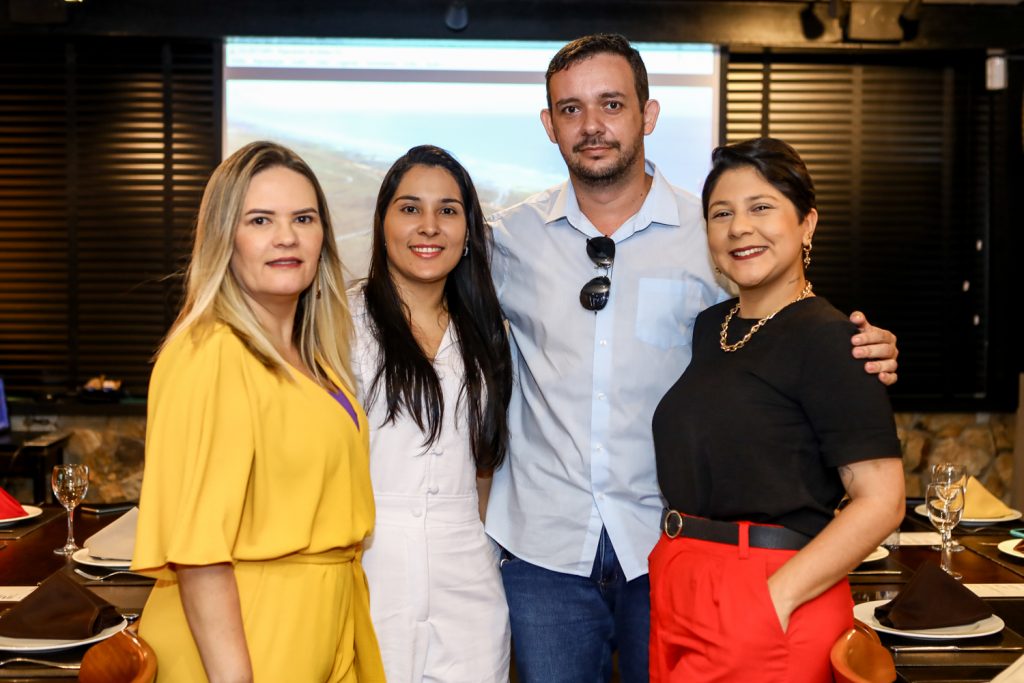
(735,23)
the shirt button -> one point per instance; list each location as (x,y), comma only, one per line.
(433,490)
(603,342)
(600,496)
(600,396)
(437,451)
(417,512)
(598,448)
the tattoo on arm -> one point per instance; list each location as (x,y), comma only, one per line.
(846,476)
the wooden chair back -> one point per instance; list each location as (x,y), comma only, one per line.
(858,656)
(121,658)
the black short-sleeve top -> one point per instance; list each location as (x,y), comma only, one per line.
(759,434)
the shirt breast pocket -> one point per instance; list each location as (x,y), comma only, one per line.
(666,310)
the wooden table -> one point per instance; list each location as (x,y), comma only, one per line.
(30,559)
(979,562)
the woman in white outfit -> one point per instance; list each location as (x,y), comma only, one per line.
(426,313)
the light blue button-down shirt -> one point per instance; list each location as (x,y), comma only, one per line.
(581,452)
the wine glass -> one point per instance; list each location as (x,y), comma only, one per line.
(70,482)
(950,474)
(945,508)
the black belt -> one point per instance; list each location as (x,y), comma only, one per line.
(675,524)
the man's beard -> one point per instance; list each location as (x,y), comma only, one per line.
(606,176)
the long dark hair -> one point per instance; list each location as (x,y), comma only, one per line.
(407,377)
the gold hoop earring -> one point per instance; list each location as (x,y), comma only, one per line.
(807,255)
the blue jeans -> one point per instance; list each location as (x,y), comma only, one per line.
(566,627)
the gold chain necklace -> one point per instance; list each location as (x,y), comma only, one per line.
(722,338)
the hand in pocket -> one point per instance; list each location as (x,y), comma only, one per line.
(782,610)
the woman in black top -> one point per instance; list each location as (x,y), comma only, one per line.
(769,426)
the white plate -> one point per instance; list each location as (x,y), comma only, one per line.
(865,611)
(1007,547)
(82,556)
(878,553)
(31,511)
(47,645)
(975,521)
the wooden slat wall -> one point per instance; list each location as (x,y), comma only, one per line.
(105,145)
(33,178)
(898,153)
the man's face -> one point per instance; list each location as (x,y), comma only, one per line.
(596,119)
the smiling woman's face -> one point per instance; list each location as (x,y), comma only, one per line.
(424,227)
(278,239)
(754,233)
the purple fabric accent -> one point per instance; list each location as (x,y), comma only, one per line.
(341,398)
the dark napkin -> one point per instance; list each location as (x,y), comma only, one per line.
(59,609)
(932,599)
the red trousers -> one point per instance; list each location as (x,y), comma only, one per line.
(712,618)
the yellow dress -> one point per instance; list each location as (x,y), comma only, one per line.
(272,476)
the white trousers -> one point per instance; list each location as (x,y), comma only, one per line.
(436,597)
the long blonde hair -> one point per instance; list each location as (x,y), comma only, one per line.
(323,325)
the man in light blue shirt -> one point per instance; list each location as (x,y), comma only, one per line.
(601,279)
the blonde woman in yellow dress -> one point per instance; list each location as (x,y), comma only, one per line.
(256,495)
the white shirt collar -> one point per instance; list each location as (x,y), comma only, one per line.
(659,208)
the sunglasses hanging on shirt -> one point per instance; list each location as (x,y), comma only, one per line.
(594,295)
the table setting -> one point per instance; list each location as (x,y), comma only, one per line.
(51,613)
(57,615)
(982,511)
(977,634)
(931,606)
(17,519)
(106,556)
(936,626)
(945,614)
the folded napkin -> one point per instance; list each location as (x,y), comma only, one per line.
(932,599)
(9,507)
(979,503)
(116,541)
(59,609)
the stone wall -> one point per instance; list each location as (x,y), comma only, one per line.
(112,447)
(983,443)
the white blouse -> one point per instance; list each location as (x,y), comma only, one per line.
(436,597)
(399,463)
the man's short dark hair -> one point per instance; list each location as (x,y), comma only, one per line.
(597,44)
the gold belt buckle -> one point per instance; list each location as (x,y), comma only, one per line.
(673,524)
